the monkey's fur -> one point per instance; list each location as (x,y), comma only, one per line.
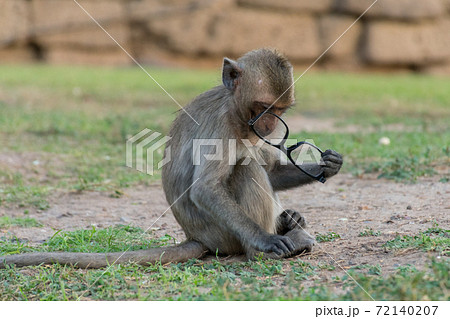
(227,209)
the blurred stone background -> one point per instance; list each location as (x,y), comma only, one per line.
(394,35)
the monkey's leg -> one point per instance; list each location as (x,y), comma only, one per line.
(292,224)
(303,242)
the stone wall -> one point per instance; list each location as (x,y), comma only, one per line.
(393,35)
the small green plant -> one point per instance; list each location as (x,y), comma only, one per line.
(407,283)
(302,270)
(375,270)
(369,232)
(371,269)
(435,230)
(326,266)
(19,192)
(14,245)
(432,239)
(331,236)
(6,222)
(404,168)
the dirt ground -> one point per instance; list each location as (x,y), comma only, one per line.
(345,205)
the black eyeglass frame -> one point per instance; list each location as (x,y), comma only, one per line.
(281,146)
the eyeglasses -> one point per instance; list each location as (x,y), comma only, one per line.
(304,155)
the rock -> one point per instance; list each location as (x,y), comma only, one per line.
(16,54)
(394,9)
(396,43)
(185,32)
(404,34)
(446,5)
(296,36)
(51,15)
(125,219)
(331,27)
(14,21)
(143,10)
(89,37)
(289,5)
(384,141)
(441,69)
(233,32)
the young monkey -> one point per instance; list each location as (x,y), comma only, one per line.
(233,209)
(223,208)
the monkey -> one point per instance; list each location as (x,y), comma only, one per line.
(224,208)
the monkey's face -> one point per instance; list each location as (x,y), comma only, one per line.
(257,80)
(268,125)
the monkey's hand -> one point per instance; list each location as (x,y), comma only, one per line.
(333,162)
(280,245)
(288,220)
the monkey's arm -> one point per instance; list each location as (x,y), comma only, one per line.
(288,176)
(211,194)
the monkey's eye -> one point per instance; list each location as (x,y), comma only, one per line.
(271,107)
(279,109)
(261,104)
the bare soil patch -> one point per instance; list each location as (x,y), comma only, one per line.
(345,205)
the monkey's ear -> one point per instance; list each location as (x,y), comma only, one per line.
(230,74)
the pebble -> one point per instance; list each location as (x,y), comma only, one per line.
(384,141)
(124,219)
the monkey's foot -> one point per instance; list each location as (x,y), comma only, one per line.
(303,243)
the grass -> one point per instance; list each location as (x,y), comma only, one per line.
(407,283)
(21,193)
(432,239)
(111,239)
(368,232)
(6,222)
(331,236)
(206,280)
(64,129)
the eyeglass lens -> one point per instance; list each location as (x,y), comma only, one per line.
(309,158)
(270,128)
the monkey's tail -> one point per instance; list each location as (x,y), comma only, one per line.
(178,253)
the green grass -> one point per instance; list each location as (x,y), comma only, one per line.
(368,232)
(331,236)
(6,222)
(432,239)
(112,239)
(200,280)
(409,156)
(23,194)
(407,283)
(206,280)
